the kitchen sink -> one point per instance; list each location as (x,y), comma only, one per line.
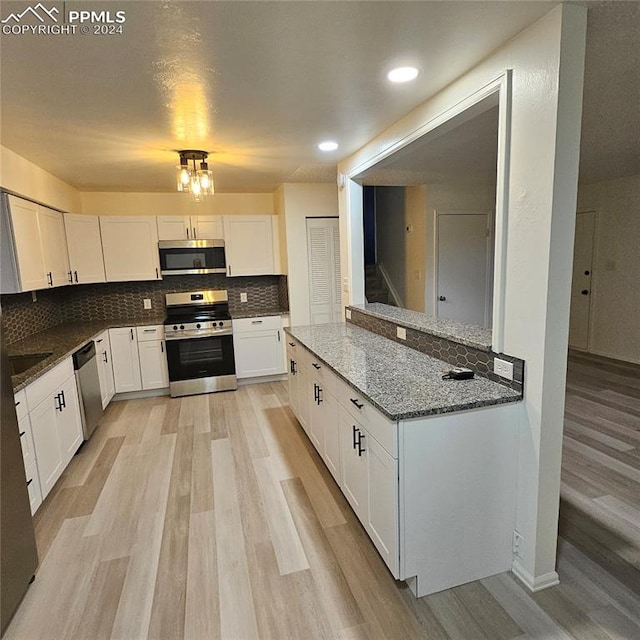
(19,364)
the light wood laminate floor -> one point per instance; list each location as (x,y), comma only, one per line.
(213,517)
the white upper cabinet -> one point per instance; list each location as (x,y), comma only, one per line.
(29,257)
(130,248)
(54,246)
(84,244)
(174,227)
(207,227)
(34,247)
(190,228)
(251,245)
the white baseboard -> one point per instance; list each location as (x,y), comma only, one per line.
(136,395)
(534,584)
(612,356)
(275,378)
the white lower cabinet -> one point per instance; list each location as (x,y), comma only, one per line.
(55,421)
(153,364)
(257,344)
(28,451)
(105,368)
(444,484)
(139,358)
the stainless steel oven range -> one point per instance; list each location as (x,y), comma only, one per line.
(199,337)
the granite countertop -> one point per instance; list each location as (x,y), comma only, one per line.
(468,334)
(256,313)
(62,341)
(401,382)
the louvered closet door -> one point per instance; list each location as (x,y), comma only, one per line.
(323,253)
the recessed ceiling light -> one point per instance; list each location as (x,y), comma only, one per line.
(328,145)
(403,74)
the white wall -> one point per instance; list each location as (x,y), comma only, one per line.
(452,197)
(302,201)
(19,175)
(615,290)
(158,204)
(547,63)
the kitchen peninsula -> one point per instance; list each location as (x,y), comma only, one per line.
(428,465)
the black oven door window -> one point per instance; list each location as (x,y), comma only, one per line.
(200,358)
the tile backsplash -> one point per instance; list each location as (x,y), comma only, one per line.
(117,300)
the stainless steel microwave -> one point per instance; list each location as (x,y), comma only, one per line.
(179,257)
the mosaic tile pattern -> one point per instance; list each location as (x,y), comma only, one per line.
(118,300)
(456,354)
(21,316)
(401,382)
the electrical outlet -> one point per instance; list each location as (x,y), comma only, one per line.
(347,313)
(517,544)
(243,297)
(147,303)
(503,368)
(401,332)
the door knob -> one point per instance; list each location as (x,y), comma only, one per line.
(442,298)
(585,292)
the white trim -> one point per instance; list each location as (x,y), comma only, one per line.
(392,290)
(538,583)
(502,213)
(494,86)
(259,379)
(352,203)
(594,287)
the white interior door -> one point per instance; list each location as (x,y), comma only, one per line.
(463,290)
(581,283)
(323,256)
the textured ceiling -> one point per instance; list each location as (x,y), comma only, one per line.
(259,84)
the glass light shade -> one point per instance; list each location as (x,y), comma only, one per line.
(206,181)
(183,178)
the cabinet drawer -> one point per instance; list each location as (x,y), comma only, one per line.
(382,429)
(150,332)
(268,323)
(49,383)
(20,400)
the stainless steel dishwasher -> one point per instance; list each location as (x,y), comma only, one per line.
(88,383)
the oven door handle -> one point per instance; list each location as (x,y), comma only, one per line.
(195,336)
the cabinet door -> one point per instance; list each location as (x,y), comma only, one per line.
(105,369)
(46,443)
(258,353)
(331,451)
(26,235)
(249,245)
(125,361)
(316,415)
(54,246)
(207,227)
(294,377)
(130,248)
(174,228)
(354,466)
(33,485)
(382,513)
(68,421)
(85,248)
(26,440)
(153,364)
(305,396)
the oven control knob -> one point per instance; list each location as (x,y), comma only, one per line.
(198,326)
(182,326)
(221,324)
(175,327)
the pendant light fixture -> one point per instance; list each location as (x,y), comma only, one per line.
(194,179)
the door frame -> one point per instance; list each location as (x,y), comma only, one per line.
(594,253)
(488,300)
